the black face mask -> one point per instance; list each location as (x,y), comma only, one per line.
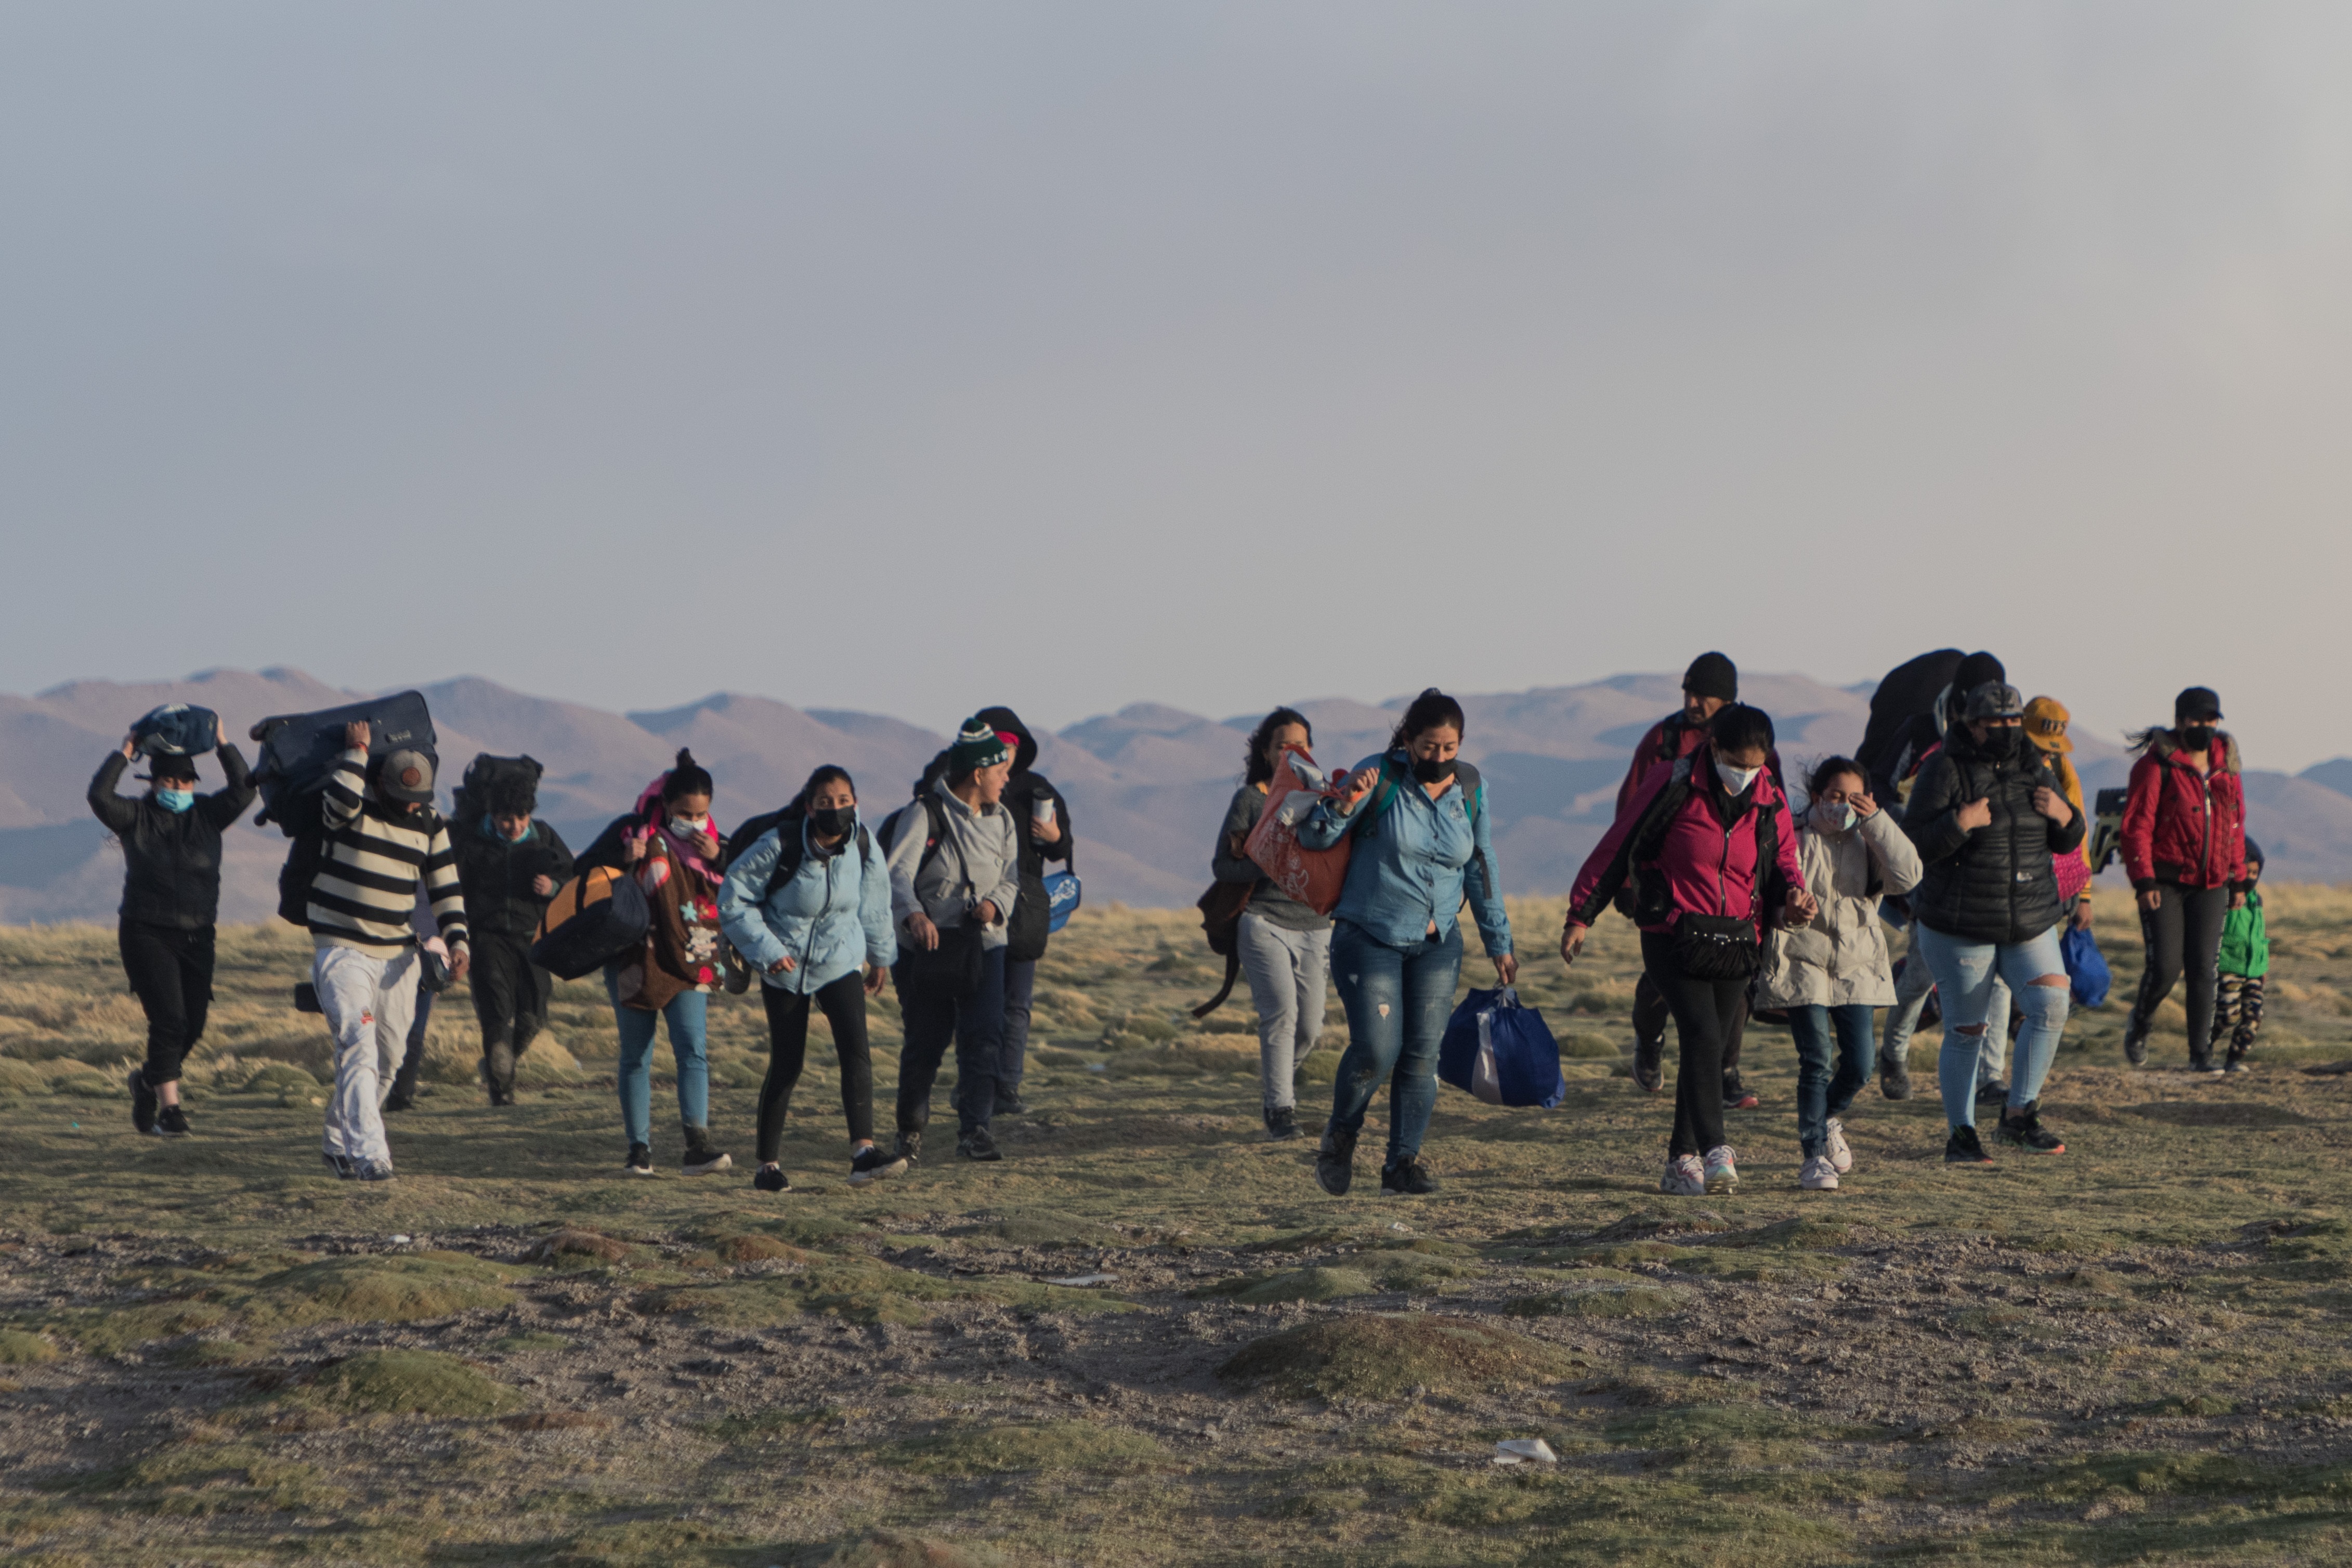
(832,820)
(2001,741)
(2197,737)
(1429,770)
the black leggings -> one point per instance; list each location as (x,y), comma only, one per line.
(1705,1012)
(1650,1015)
(2184,932)
(844,1001)
(172,971)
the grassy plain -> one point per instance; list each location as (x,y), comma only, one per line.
(213,1352)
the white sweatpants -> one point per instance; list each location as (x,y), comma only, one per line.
(369,1003)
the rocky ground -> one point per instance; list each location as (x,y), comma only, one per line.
(213,1352)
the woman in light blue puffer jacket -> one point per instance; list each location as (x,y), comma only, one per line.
(808,908)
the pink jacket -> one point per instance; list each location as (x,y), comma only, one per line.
(1709,867)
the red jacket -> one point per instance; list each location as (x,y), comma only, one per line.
(2182,825)
(1709,865)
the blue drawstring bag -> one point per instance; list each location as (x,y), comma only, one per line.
(1062,893)
(2087,974)
(1501,1052)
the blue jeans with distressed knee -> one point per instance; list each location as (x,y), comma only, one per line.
(1964,971)
(1398,1000)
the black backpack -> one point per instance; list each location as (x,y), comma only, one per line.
(483,774)
(791,850)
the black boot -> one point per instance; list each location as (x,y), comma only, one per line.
(1335,1161)
(701,1157)
(498,1070)
(1281,1123)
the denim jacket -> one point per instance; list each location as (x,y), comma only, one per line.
(832,916)
(1410,867)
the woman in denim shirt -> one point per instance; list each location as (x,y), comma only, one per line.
(1421,845)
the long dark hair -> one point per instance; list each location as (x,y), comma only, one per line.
(1428,711)
(687,778)
(1260,770)
(1737,727)
(824,775)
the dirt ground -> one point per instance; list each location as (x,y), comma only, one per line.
(212,1352)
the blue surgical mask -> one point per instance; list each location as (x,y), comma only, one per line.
(175,800)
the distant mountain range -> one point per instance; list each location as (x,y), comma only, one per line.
(1147,785)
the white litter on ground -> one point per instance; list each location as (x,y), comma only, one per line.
(1520,1451)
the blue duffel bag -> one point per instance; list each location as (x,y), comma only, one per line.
(1501,1052)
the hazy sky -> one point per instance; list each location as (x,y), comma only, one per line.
(907,358)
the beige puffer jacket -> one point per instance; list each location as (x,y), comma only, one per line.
(1841,960)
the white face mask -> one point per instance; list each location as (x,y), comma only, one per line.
(1834,815)
(689,827)
(1734,780)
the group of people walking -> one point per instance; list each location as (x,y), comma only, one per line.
(1970,829)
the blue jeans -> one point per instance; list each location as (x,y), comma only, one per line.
(685,1012)
(1012,1052)
(1965,971)
(1820,1096)
(1398,1000)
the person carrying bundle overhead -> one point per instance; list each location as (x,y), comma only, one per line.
(2184,847)
(806,904)
(509,866)
(1710,685)
(1902,754)
(1421,847)
(170,842)
(670,844)
(1285,945)
(1986,816)
(955,874)
(382,841)
(1708,850)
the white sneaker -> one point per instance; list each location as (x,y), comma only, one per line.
(1841,1157)
(1684,1178)
(1818,1175)
(1722,1169)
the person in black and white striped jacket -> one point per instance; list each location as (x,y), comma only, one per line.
(383,840)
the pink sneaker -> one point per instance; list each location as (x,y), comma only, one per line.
(1684,1178)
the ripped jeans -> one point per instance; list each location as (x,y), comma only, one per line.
(1965,973)
(1398,1000)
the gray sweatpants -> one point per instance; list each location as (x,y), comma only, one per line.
(1911,988)
(1286,970)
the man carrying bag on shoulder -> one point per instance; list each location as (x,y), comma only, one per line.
(955,874)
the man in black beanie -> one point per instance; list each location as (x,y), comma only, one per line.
(1710,685)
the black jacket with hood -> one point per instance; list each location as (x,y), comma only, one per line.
(1994,883)
(170,859)
(1026,934)
(496,874)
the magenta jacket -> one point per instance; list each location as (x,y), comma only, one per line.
(1709,854)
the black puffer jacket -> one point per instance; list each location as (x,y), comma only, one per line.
(170,859)
(1993,883)
(496,874)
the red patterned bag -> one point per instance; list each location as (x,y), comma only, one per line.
(1313,877)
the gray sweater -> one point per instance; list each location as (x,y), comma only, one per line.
(1269,902)
(980,859)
